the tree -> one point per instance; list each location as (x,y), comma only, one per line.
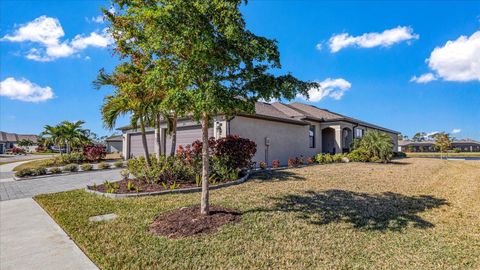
(419,136)
(443,142)
(73,134)
(25,143)
(223,66)
(53,135)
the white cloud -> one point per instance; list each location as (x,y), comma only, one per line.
(333,88)
(368,40)
(24,90)
(425,78)
(97,19)
(47,33)
(319,46)
(457,60)
(456,131)
(430,134)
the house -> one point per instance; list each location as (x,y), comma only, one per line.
(467,145)
(114,144)
(280,131)
(10,140)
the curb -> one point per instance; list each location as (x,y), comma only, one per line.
(180,190)
(60,174)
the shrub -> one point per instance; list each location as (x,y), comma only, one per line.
(40,171)
(163,169)
(74,157)
(125,174)
(17,150)
(118,164)
(94,152)
(293,162)
(300,160)
(237,152)
(359,155)
(25,172)
(86,167)
(40,149)
(221,171)
(103,165)
(55,170)
(262,165)
(399,155)
(337,158)
(70,168)
(376,145)
(310,160)
(320,158)
(275,163)
(328,158)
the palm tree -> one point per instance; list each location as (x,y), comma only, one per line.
(130,97)
(73,134)
(53,135)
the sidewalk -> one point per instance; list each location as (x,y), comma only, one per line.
(30,239)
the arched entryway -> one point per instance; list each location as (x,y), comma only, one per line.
(328,140)
(347,139)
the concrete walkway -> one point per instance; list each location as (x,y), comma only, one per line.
(6,170)
(30,239)
(12,190)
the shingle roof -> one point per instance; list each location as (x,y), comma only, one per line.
(114,138)
(297,112)
(13,137)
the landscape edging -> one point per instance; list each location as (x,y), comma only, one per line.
(16,178)
(173,191)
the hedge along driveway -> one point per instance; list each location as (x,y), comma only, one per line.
(414,214)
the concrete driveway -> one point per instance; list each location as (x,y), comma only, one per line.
(11,190)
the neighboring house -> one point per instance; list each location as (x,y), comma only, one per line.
(114,144)
(10,140)
(280,131)
(467,145)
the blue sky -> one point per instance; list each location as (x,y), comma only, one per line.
(366,55)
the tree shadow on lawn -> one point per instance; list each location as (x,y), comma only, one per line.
(276,175)
(376,212)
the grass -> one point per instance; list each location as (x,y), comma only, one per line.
(437,154)
(34,164)
(414,214)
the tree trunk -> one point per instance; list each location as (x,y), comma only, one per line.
(144,142)
(205,164)
(174,135)
(158,139)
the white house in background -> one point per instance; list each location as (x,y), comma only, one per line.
(114,144)
(280,131)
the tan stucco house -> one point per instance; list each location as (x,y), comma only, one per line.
(280,131)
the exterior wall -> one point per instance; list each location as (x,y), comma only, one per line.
(114,146)
(286,140)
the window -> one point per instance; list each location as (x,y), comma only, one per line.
(311,136)
(358,133)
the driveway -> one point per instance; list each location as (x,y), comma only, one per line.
(12,158)
(12,190)
(30,239)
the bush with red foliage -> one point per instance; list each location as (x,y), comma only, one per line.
(275,163)
(94,152)
(16,150)
(310,160)
(40,149)
(294,162)
(237,152)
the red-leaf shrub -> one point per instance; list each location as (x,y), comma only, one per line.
(294,162)
(238,152)
(16,150)
(275,163)
(40,149)
(310,160)
(94,152)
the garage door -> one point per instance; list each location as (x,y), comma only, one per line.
(186,135)
(136,146)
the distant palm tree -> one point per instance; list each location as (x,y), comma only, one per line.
(53,135)
(73,134)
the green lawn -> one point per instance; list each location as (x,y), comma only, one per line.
(415,214)
(436,154)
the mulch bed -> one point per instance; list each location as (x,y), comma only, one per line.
(188,221)
(144,187)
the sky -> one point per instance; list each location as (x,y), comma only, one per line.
(410,67)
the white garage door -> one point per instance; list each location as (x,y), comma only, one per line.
(186,135)
(136,146)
